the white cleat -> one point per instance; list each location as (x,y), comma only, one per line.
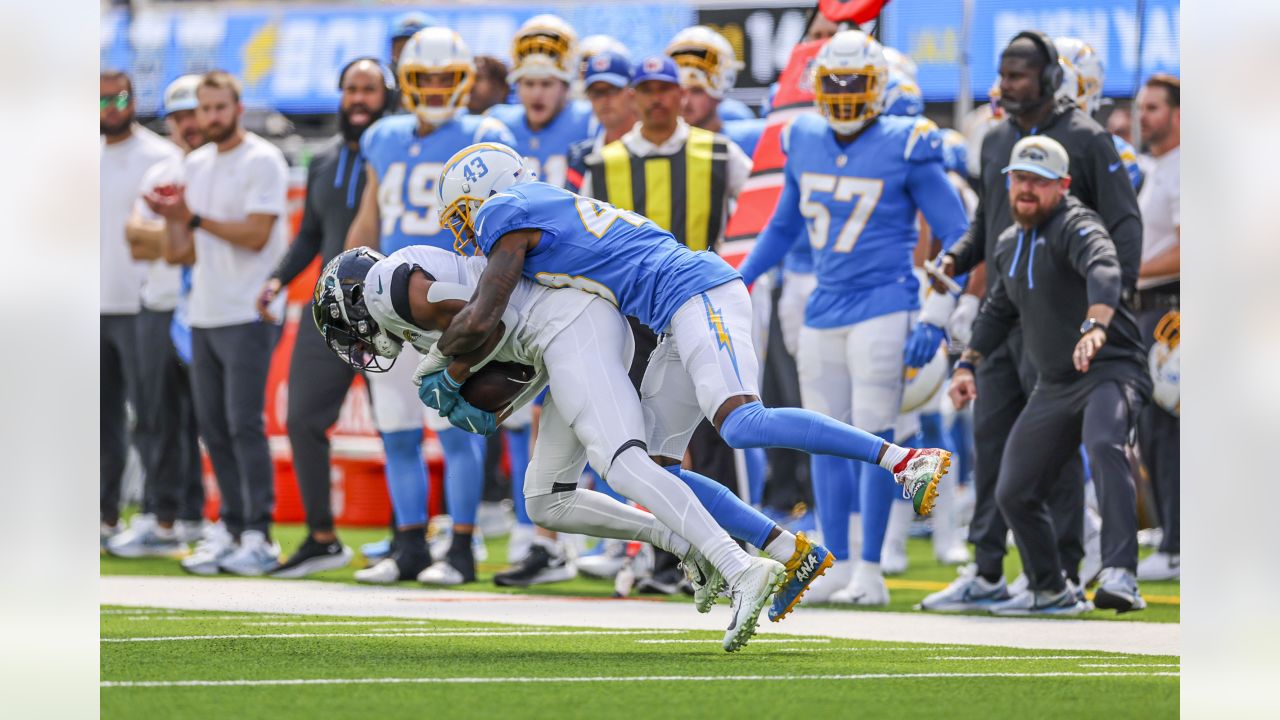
(605,564)
(706,580)
(967,592)
(145,538)
(752,591)
(441,573)
(1160,566)
(384,572)
(254,556)
(867,588)
(210,551)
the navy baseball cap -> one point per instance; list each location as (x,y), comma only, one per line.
(607,67)
(406,25)
(656,67)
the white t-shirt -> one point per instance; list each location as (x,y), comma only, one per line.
(163,282)
(229,186)
(1160,202)
(121,169)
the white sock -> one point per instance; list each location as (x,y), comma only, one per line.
(893,455)
(782,547)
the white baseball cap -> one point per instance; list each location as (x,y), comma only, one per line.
(1041,155)
(181,94)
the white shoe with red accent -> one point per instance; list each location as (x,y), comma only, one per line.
(918,474)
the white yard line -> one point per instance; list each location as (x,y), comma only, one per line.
(310,597)
(386,636)
(754,641)
(1025,657)
(620,679)
(1129,665)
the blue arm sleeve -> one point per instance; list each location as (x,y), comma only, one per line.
(784,229)
(941,204)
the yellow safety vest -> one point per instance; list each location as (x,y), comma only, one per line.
(683,193)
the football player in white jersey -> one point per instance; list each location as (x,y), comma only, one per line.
(401,156)
(368,305)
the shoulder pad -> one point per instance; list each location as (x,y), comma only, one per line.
(924,143)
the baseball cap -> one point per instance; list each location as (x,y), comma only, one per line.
(1041,155)
(181,94)
(406,25)
(656,67)
(607,67)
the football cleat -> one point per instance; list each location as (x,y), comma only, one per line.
(145,538)
(749,594)
(807,564)
(1041,602)
(967,592)
(867,587)
(1118,590)
(216,544)
(919,473)
(253,556)
(540,566)
(706,580)
(313,557)
(1160,566)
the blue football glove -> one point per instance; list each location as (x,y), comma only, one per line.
(440,391)
(922,345)
(468,417)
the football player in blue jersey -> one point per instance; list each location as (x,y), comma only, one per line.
(708,69)
(403,157)
(705,364)
(902,96)
(855,180)
(546,122)
(1082,77)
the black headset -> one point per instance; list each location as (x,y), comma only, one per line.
(387,79)
(1051,73)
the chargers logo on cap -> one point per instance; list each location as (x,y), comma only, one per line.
(600,63)
(1031,152)
(652,65)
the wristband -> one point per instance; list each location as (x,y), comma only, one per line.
(963,365)
(194,222)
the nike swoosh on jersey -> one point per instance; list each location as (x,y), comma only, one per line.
(1113,167)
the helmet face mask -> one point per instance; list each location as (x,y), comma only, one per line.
(341,316)
(436,73)
(849,79)
(705,59)
(545,46)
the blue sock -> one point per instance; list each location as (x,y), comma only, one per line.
(406,476)
(835,481)
(876,492)
(739,520)
(757,466)
(518,452)
(602,486)
(463,473)
(754,425)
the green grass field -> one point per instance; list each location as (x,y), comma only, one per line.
(264,666)
(924,576)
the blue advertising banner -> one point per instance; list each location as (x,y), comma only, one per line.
(931,32)
(288,58)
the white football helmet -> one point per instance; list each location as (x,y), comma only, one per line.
(435,51)
(706,60)
(1165,365)
(901,62)
(545,46)
(1082,73)
(849,79)
(475,174)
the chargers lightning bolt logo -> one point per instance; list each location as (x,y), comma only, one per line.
(716,322)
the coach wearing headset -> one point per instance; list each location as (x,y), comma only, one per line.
(1029,75)
(319,380)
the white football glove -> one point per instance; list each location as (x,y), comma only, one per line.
(434,362)
(960,326)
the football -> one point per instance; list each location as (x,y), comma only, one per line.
(496,385)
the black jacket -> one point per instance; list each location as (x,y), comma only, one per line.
(335,184)
(1098,178)
(1048,277)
